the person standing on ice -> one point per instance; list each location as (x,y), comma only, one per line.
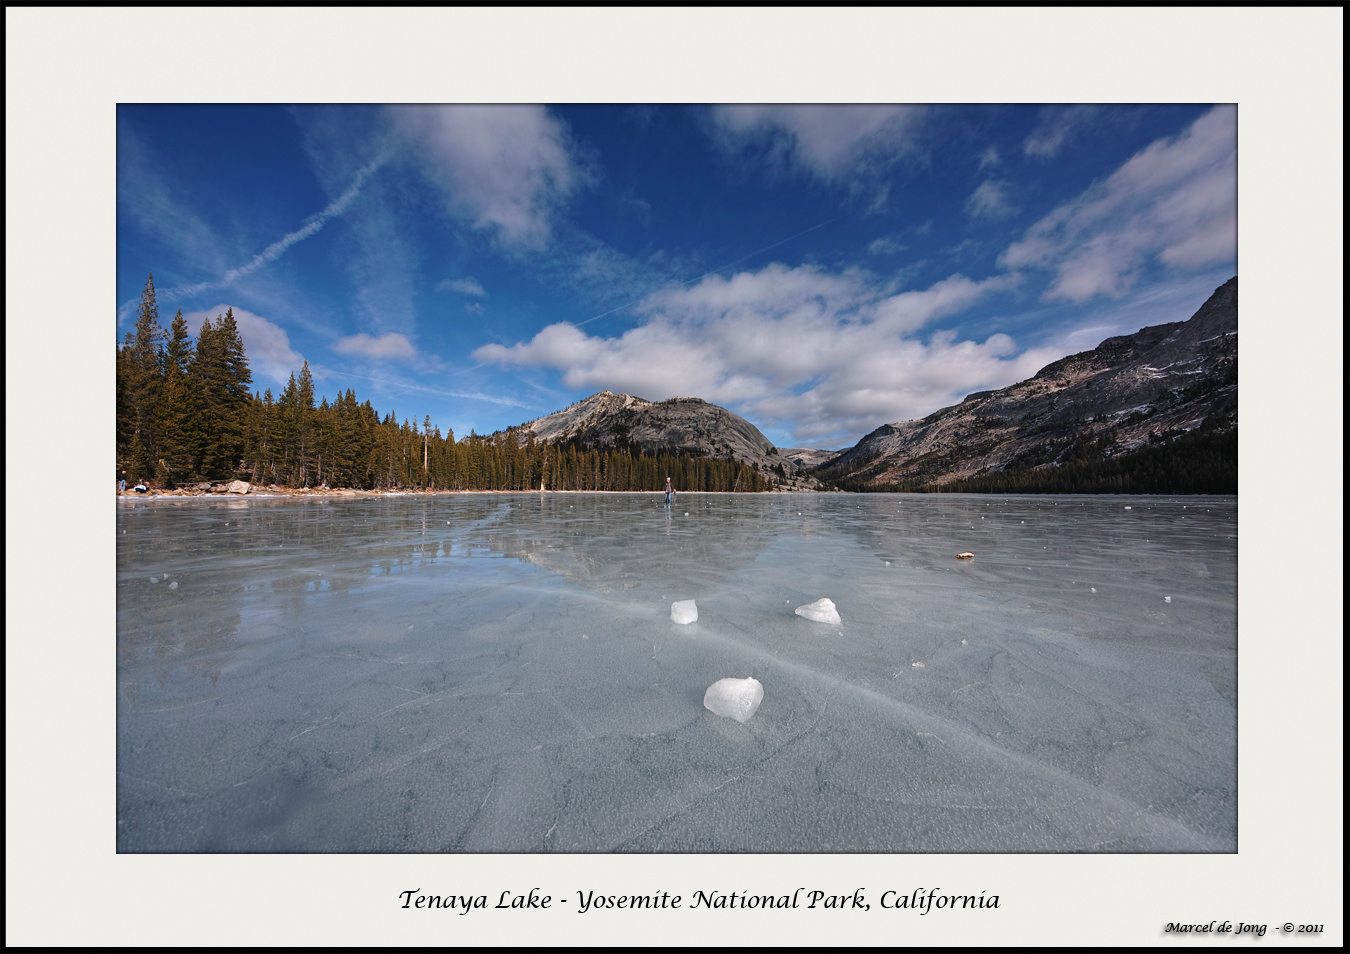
(122,483)
(670,491)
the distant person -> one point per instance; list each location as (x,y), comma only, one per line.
(122,483)
(670,491)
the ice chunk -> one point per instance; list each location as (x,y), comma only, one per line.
(1129,508)
(1167,599)
(683,611)
(822,611)
(963,642)
(734,698)
(917,665)
(1094,589)
(174,586)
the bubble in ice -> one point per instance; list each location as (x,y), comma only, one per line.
(1167,599)
(963,642)
(917,665)
(154,579)
(822,611)
(734,698)
(683,611)
(174,586)
(1129,508)
(1094,589)
(686,513)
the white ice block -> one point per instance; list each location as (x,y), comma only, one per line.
(683,611)
(822,611)
(734,698)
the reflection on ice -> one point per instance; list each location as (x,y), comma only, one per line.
(506,673)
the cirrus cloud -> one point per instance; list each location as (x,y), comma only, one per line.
(849,145)
(1174,202)
(465,286)
(990,201)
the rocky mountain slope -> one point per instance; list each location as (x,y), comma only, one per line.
(808,457)
(683,425)
(1128,393)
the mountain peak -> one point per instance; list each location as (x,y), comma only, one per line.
(680,425)
(1129,391)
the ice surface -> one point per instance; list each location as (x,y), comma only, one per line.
(822,611)
(684,611)
(734,698)
(278,701)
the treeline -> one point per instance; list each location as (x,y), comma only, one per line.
(1199,462)
(185,415)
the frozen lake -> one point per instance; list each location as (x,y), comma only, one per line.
(500,673)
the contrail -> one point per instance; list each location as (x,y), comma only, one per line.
(274,251)
(404,387)
(715,270)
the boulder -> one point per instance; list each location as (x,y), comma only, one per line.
(239,487)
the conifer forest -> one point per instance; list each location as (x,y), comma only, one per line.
(186,414)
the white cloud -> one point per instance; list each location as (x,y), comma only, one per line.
(990,201)
(839,144)
(1057,127)
(474,308)
(989,158)
(885,246)
(828,356)
(1175,201)
(465,286)
(267,345)
(505,168)
(389,346)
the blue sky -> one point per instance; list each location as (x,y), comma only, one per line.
(821,270)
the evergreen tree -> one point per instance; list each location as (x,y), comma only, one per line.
(221,374)
(142,385)
(177,408)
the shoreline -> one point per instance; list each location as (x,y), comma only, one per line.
(280,493)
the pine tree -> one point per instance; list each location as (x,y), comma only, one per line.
(142,384)
(304,424)
(221,374)
(178,406)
